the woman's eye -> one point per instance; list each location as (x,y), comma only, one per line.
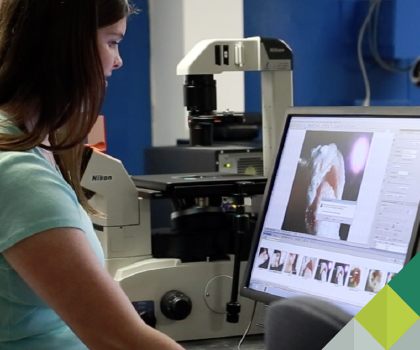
(113,43)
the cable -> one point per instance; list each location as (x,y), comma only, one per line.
(373,44)
(249,326)
(415,72)
(372,7)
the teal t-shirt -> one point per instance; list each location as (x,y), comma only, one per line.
(34,197)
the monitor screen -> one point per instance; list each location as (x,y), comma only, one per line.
(340,214)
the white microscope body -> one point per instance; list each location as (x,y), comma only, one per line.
(124,227)
(186,301)
(125,234)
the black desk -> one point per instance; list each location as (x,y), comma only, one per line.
(251,342)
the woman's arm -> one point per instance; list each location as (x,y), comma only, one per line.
(61,267)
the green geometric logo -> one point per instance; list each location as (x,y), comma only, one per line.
(387,317)
(407,284)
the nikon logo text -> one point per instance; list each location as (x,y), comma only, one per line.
(101,177)
(276,49)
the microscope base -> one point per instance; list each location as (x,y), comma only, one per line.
(208,286)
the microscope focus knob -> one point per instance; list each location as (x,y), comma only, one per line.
(175,305)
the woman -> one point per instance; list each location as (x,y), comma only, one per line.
(55,56)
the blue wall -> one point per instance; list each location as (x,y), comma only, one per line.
(127,103)
(323,37)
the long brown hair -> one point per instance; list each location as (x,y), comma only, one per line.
(50,64)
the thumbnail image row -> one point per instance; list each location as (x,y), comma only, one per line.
(324,270)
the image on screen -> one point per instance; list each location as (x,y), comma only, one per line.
(330,167)
(342,209)
(308,266)
(340,273)
(277,261)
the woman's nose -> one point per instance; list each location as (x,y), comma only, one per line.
(118,62)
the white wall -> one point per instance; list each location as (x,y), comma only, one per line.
(175,27)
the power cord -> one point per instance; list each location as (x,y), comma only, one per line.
(372,7)
(415,72)
(249,326)
(373,44)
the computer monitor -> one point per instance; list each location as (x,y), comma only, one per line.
(340,212)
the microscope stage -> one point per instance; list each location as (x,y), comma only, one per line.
(200,184)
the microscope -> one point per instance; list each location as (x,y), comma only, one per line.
(184,282)
(271,57)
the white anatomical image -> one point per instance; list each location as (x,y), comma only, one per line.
(308,267)
(263,258)
(374,281)
(340,273)
(290,263)
(340,276)
(327,179)
(329,175)
(323,270)
(277,260)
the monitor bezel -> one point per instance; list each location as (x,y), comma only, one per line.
(360,111)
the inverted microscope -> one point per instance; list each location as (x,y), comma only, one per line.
(184,281)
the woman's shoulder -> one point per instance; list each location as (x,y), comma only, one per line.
(21,161)
(24,159)
(23,171)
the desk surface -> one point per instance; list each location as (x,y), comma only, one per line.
(251,342)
